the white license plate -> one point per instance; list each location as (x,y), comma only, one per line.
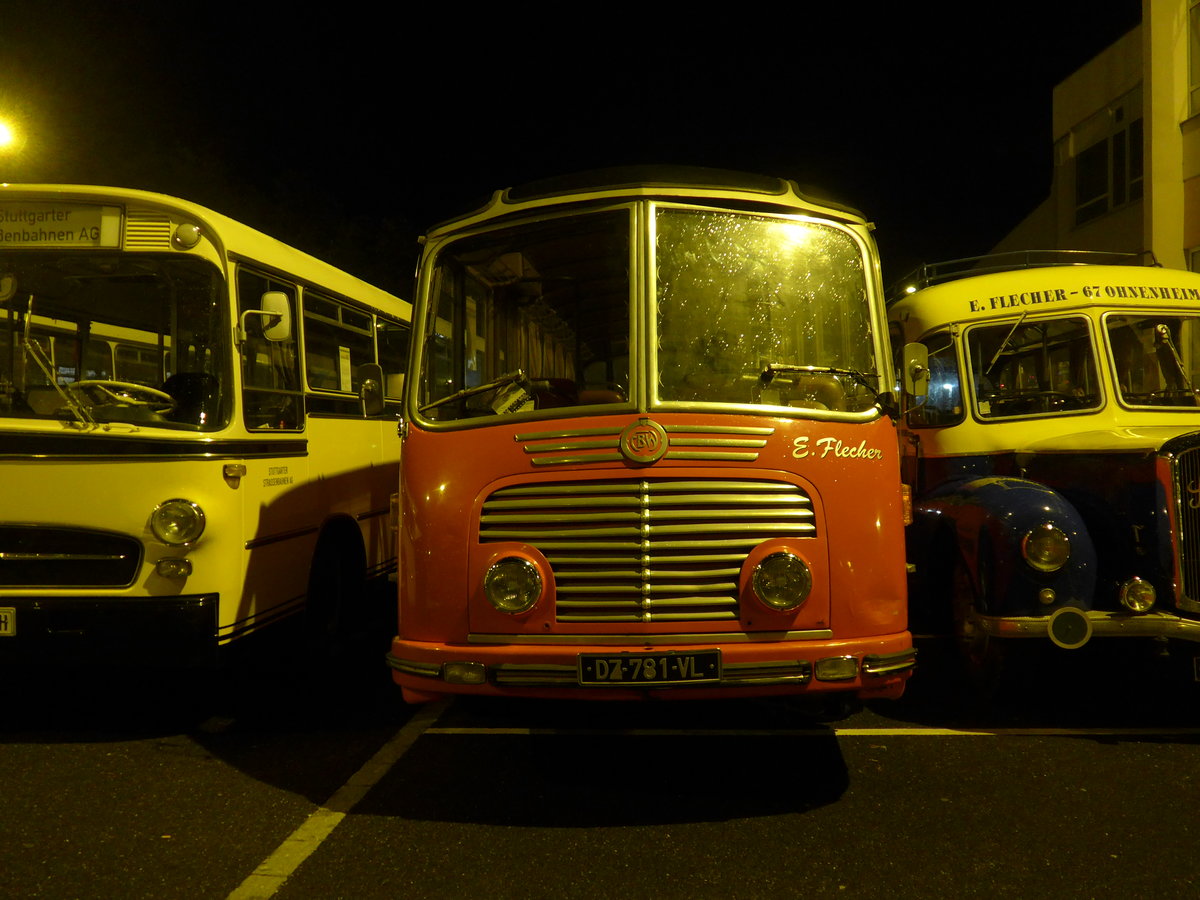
(687,667)
(8,621)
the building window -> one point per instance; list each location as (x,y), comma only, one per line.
(1194,55)
(1108,173)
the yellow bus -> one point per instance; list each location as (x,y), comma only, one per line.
(198,429)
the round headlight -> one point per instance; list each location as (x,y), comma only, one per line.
(513,585)
(1046,548)
(1138,596)
(177,522)
(782,581)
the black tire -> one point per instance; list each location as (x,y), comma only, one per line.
(981,656)
(336,593)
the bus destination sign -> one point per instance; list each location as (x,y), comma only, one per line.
(55,224)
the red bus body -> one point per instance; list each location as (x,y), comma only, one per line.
(637,526)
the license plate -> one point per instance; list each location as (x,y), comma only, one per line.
(8,621)
(686,667)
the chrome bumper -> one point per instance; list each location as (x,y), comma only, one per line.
(1091,623)
(753,674)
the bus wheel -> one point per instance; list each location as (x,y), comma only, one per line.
(336,585)
(981,655)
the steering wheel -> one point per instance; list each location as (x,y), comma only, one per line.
(125,393)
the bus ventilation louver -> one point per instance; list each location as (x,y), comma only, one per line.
(147,231)
(647,551)
(1187,488)
(38,556)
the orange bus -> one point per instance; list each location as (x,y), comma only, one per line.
(649,448)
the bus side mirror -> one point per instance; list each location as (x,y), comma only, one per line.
(276,311)
(370,391)
(916,370)
(277,326)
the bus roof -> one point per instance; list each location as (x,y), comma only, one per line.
(1042,290)
(232,236)
(764,192)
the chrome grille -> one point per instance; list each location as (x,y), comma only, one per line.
(649,550)
(1187,485)
(42,556)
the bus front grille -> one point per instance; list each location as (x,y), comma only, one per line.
(1187,490)
(33,556)
(650,550)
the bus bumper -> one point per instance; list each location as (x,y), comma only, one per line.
(868,668)
(75,630)
(1070,627)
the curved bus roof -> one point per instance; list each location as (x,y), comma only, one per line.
(1045,289)
(664,182)
(232,236)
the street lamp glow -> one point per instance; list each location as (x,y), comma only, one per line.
(8,137)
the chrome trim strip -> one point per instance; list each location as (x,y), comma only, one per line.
(107,448)
(733,457)
(282,536)
(559,435)
(765,431)
(287,608)
(410,667)
(372,514)
(84,557)
(727,442)
(1104,624)
(649,641)
(572,445)
(889,663)
(574,460)
(682,438)
(719,429)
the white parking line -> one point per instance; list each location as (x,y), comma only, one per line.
(303,842)
(837,732)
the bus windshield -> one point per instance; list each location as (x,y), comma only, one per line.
(532,315)
(748,310)
(1157,358)
(755,310)
(101,338)
(1044,366)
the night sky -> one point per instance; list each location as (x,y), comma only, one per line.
(347,128)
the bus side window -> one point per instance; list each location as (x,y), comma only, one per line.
(270,369)
(337,342)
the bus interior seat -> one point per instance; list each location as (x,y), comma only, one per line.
(819,392)
(597,396)
(554,392)
(43,399)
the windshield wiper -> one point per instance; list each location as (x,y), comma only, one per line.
(517,377)
(772,369)
(33,350)
(1162,334)
(987,371)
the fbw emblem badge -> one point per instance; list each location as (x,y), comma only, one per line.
(643,442)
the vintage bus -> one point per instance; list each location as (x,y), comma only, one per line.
(1055,461)
(649,448)
(198,429)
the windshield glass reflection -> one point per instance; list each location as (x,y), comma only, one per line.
(753,310)
(109,338)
